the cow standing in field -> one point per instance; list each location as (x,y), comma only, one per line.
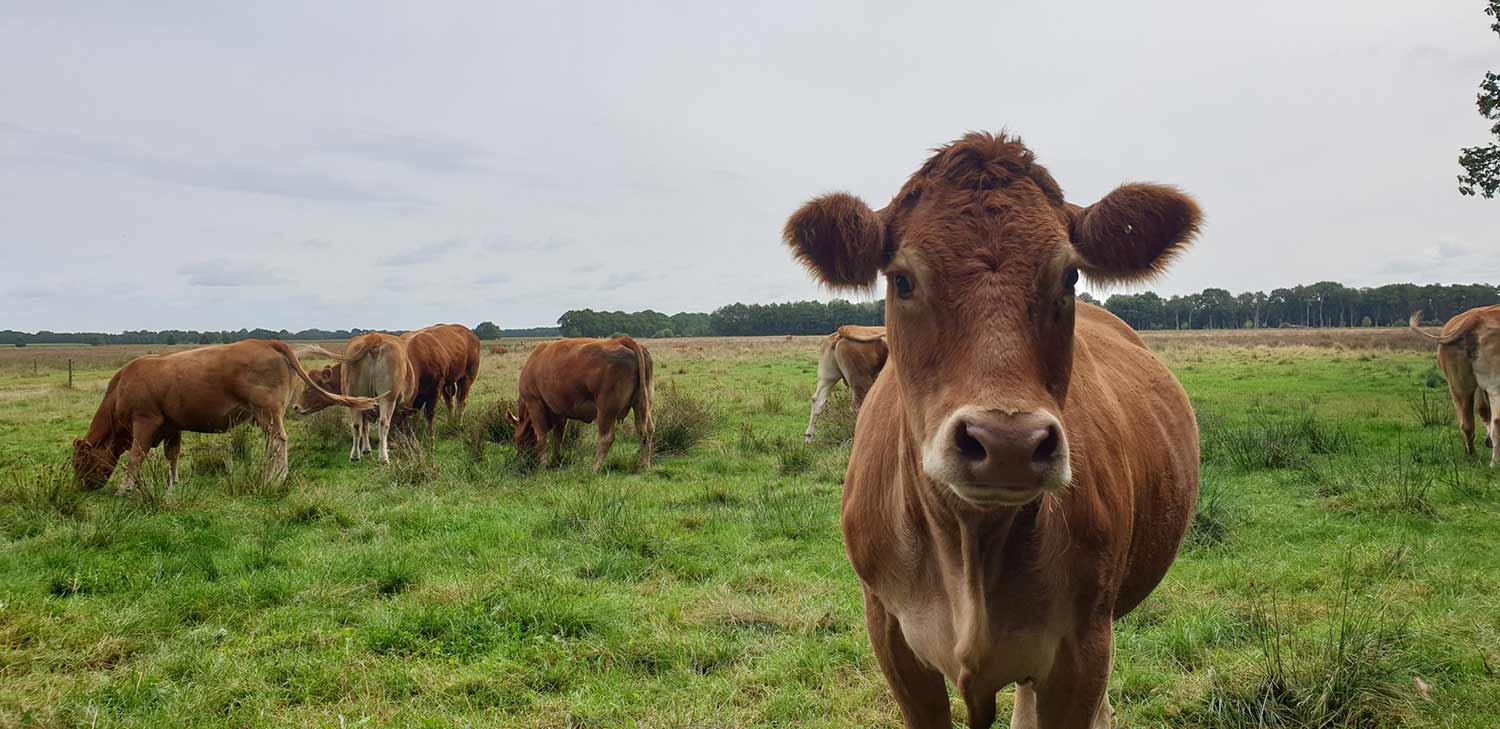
(373,365)
(1469,356)
(154,399)
(854,355)
(1024,470)
(446,358)
(583,379)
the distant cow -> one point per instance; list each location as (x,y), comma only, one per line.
(584,379)
(373,365)
(1024,469)
(854,355)
(497,349)
(1469,356)
(446,358)
(154,399)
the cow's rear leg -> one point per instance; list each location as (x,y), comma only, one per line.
(276,457)
(387,411)
(1485,416)
(143,432)
(819,401)
(606,439)
(1463,402)
(356,431)
(647,431)
(172,448)
(461,397)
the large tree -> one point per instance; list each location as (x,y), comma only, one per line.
(1482,164)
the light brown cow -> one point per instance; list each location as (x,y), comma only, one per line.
(1469,356)
(154,399)
(584,379)
(446,358)
(853,355)
(373,365)
(1024,470)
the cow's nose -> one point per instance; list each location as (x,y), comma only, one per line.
(1008,450)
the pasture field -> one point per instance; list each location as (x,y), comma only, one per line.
(1341,572)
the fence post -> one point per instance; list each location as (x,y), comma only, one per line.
(70,373)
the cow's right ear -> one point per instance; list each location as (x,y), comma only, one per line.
(840,239)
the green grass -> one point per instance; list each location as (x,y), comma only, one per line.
(1342,551)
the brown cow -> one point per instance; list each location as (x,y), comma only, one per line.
(1469,356)
(446,357)
(584,379)
(154,399)
(1024,469)
(853,355)
(374,365)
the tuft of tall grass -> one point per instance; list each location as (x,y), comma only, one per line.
(836,423)
(793,457)
(43,488)
(412,461)
(1430,409)
(1214,517)
(327,429)
(683,420)
(1276,442)
(1358,675)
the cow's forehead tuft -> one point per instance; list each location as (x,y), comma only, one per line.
(981,161)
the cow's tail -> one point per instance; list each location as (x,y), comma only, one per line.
(316,351)
(1414,323)
(356,403)
(644,379)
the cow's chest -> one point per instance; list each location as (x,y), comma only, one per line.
(980,643)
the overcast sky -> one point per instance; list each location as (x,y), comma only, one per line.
(292,165)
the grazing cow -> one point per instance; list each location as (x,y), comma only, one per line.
(1469,356)
(1024,470)
(854,355)
(154,399)
(373,365)
(584,379)
(446,358)
(497,349)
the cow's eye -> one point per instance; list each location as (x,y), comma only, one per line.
(902,284)
(1070,279)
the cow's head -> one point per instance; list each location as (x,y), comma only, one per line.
(310,401)
(981,255)
(93,464)
(525,434)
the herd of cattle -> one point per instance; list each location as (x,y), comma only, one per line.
(1023,471)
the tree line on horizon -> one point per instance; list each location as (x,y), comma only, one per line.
(1323,304)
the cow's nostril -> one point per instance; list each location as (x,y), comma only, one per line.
(968,446)
(1047,449)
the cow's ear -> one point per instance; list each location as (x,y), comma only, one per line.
(1134,232)
(840,239)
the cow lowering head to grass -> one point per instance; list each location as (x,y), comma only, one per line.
(1023,470)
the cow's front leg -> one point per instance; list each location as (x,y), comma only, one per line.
(1075,694)
(172,449)
(919,690)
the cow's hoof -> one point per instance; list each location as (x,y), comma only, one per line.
(806,439)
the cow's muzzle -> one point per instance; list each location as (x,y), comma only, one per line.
(996,458)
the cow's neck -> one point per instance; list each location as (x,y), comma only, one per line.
(102,427)
(976,552)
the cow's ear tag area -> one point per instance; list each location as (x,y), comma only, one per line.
(839,239)
(1133,233)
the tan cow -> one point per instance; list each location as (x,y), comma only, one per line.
(154,399)
(1469,356)
(853,355)
(1024,469)
(584,379)
(373,365)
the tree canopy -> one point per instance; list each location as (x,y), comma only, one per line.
(1482,163)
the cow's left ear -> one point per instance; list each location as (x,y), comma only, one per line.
(840,239)
(1134,232)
